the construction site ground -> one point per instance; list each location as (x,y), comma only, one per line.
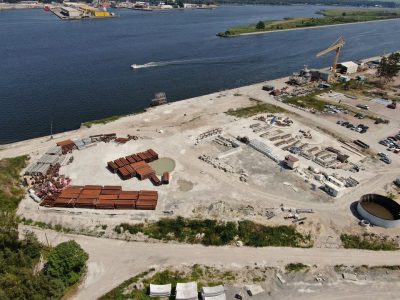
(198,189)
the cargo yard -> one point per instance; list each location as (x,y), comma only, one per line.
(281,165)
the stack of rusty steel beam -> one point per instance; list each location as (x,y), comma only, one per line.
(88,196)
(127,200)
(147,200)
(68,197)
(165,178)
(134,165)
(102,197)
(66,146)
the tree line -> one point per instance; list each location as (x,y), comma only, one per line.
(20,274)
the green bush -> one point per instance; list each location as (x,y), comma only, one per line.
(217,233)
(367,242)
(66,262)
(296,267)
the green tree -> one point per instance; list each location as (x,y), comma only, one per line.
(66,262)
(260,25)
(388,67)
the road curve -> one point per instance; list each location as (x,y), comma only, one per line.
(113,261)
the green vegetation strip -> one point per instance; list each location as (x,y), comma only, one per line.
(368,242)
(217,233)
(10,191)
(18,257)
(101,121)
(329,17)
(297,267)
(259,108)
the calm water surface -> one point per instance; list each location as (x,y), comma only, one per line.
(74,71)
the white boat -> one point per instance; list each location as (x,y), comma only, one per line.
(134,66)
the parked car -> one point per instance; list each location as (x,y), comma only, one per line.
(345,123)
(268,87)
(386,160)
(339,122)
(381,154)
(359,116)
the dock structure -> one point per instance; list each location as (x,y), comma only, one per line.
(79,11)
(159,99)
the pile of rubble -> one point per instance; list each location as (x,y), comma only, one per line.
(208,134)
(49,184)
(216,163)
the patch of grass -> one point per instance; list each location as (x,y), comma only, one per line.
(11,192)
(43,225)
(368,242)
(257,235)
(259,108)
(307,101)
(385,267)
(101,121)
(297,267)
(117,293)
(218,233)
(329,17)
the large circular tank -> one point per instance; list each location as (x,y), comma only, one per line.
(379,210)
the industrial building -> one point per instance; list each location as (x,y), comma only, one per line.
(347,67)
(70,12)
(332,189)
(291,161)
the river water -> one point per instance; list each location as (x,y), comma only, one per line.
(69,72)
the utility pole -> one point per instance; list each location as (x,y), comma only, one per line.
(51,129)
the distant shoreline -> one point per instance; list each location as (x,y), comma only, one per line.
(9,6)
(330,17)
(305,28)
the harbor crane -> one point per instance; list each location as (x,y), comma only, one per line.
(336,46)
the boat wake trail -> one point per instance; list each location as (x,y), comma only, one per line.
(196,61)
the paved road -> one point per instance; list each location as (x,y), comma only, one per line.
(113,261)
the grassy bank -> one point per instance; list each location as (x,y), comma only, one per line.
(218,233)
(329,17)
(245,112)
(368,242)
(296,267)
(10,190)
(101,121)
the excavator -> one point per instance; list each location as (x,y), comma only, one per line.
(336,46)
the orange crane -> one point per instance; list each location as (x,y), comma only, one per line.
(336,46)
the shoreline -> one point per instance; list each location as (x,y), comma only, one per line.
(42,142)
(302,28)
(11,6)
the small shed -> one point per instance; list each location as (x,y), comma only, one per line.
(331,189)
(213,293)
(163,290)
(186,291)
(348,67)
(291,161)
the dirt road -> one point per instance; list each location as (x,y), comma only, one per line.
(113,261)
